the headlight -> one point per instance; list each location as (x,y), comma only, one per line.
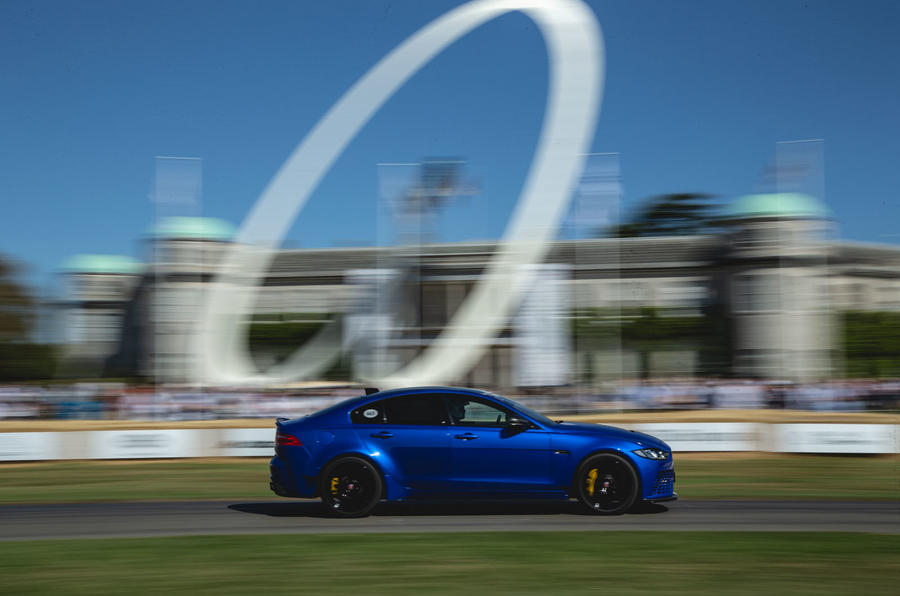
(652,453)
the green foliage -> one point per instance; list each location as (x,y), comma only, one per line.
(278,335)
(645,330)
(872,344)
(20,360)
(636,326)
(26,361)
(283,334)
(678,214)
(16,306)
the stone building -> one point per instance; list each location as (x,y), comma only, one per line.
(97,292)
(776,273)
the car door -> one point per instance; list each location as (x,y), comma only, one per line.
(411,434)
(487,456)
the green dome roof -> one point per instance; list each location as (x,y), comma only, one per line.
(193,228)
(784,204)
(101,264)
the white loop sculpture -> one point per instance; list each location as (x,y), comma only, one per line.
(576,60)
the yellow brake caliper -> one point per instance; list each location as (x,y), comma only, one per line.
(334,484)
(591,481)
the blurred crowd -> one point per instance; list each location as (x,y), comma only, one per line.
(119,402)
(116,402)
(845,395)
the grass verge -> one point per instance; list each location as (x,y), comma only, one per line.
(758,476)
(503,563)
(777,476)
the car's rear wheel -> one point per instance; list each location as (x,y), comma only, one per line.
(606,484)
(350,487)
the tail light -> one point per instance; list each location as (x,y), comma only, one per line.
(286,439)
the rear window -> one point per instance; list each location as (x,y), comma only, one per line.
(368,414)
(418,410)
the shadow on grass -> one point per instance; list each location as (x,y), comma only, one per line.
(316,509)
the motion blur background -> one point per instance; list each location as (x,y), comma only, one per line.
(726,276)
(732,242)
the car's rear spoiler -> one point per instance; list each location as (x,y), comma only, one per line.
(281,420)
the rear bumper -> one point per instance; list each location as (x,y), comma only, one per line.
(278,478)
(277,488)
(284,483)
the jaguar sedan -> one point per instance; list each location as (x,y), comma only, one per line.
(453,443)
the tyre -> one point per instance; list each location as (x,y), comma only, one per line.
(350,487)
(606,484)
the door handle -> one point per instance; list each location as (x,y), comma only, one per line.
(382,435)
(466,437)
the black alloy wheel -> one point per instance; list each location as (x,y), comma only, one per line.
(606,484)
(350,487)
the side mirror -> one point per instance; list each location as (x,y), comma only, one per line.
(518,424)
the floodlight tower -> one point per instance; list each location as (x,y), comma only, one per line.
(415,212)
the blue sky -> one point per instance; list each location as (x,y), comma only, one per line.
(697,94)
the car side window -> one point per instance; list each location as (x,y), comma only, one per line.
(468,411)
(368,414)
(421,410)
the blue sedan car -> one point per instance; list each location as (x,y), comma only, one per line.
(453,443)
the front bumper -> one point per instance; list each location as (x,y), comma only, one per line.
(657,479)
(672,497)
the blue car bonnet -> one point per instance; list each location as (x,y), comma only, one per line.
(642,439)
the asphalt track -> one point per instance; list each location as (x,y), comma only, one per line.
(132,519)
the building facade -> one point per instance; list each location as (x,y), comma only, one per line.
(775,276)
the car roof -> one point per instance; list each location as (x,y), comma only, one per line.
(364,399)
(341,409)
(427,389)
(355,402)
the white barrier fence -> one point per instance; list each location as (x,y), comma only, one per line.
(258,442)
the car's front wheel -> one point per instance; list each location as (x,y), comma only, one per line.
(606,484)
(350,487)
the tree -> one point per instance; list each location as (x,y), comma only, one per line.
(272,338)
(645,330)
(678,214)
(16,306)
(20,359)
(872,344)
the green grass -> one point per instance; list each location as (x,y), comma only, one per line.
(759,476)
(790,477)
(81,481)
(503,563)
